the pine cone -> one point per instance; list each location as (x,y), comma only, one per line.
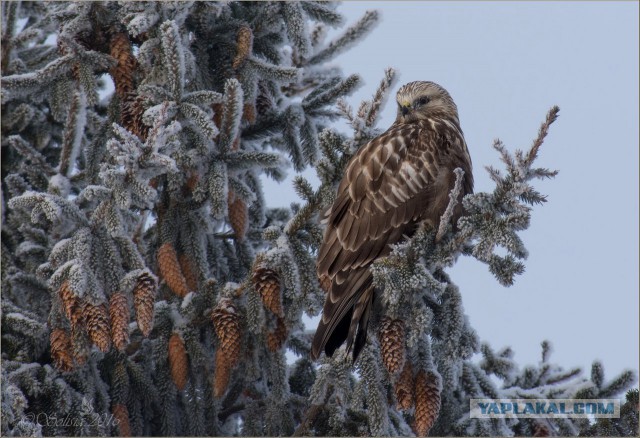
(189,271)
(226,322)
(391,337)
(170,270)
(97,318)
(244,41)
(71,304)
(427,402)
(144,294)
(122,73)
(276,338)
(119,313)
(222,374)
(238,215)
(132,110)
(267,284)
(404,387)
(178,361)
(61,349)
(121,414)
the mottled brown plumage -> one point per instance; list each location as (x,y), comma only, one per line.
(392,184)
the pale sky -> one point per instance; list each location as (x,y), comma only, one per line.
(505,64)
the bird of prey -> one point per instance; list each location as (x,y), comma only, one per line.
(394,183)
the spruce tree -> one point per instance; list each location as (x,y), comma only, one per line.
(148,288)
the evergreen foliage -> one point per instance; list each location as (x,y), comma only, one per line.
(148,288)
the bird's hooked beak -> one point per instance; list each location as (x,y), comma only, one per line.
(405,107)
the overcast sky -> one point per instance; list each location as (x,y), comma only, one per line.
(505,65)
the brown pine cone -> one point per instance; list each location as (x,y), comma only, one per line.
(122,72)
(404,387)
(97,319)
(238,215)
(121,414)
(391,337)
(244,40)
(71,304)
(189,271)
(144,294)
(61,349)
(267,284)
(427,402)
(178,361)
(222,374)
(119,313)
(170,270)
(226,322)
(276,338)
(132,110)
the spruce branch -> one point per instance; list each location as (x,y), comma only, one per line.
(28,83)
(231,115)
(454,195)
(202,97)
(338,89)
(349,38)
(273,72)
(9,13)
(296,24)
(322,12)
(173,58)
(200,118)
(29,153)
(380,97)
(552,116)
(73,133)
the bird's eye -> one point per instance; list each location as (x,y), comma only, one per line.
(423,100)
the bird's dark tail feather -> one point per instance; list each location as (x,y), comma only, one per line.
(361,314)
(352,327)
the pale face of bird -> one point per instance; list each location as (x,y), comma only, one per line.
(423,100)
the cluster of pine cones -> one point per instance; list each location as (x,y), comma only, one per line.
(412,389)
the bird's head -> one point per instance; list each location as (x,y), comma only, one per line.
(422,100)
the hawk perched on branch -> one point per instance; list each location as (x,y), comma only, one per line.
(391,185)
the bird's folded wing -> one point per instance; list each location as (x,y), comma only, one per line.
(386,186)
